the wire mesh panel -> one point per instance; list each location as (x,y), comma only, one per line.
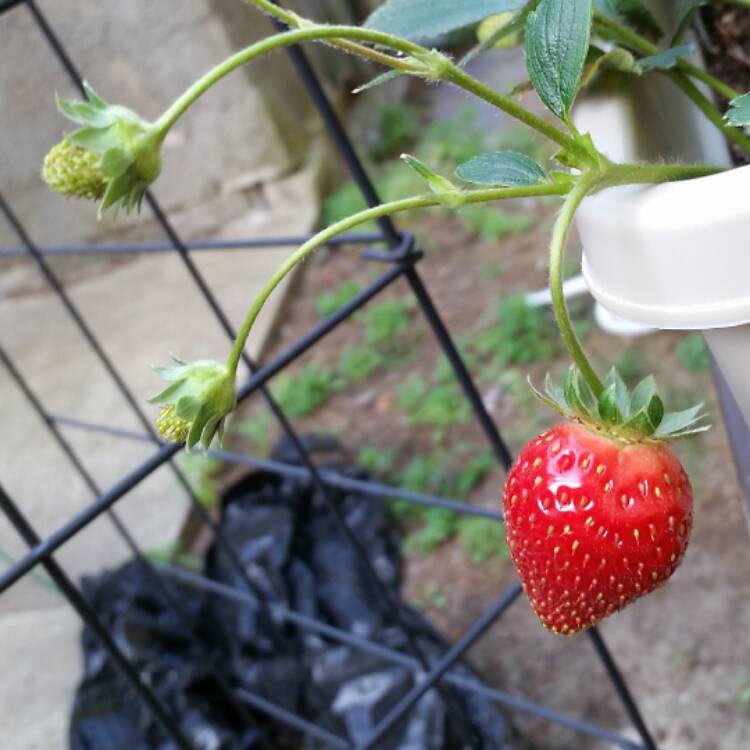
(396,257)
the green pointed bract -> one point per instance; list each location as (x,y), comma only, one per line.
(196,402)
(113,155)
(630,418)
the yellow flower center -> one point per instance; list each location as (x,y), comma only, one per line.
(172,427)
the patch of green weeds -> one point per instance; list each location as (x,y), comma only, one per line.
(481,539)
(437,406)
(431,527)
(693,353)
(492,223)
(357,363)
(438,526)
(329,303)
(343,202)
(385,320)
(377,461)
(522,334)
(300,394)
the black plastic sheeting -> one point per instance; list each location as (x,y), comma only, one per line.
(296,556)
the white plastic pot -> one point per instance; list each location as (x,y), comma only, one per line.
(673,256)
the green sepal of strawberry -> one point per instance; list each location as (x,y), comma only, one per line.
(637,417)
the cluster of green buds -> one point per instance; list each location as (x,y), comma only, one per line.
(113,155)
(196,402)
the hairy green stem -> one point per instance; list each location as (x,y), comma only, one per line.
(451,73)
(378,212)
(557,254)
(264,46)
(736,135)
(462,79)
(293,20)
(640,44)
(652,174)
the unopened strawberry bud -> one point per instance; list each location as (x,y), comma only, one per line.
(113,155)
(196,402)
(71,170)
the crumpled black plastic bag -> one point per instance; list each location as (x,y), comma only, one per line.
(295,556)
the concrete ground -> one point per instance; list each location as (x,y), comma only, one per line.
(139,310)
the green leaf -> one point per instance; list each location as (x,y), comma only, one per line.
(96,140)
(438,184)
(642,394)
(632,13)
(680,421)
(427,19)
(502,168)
(686,10)
(115,162)
(578,394)
(655,411)
(85,114)
(739,111)
(508,32)
(378,80)
(665,59)
(621,395)
(608,408)
(557,42)
(93,97)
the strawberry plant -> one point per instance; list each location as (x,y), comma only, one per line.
(598,508)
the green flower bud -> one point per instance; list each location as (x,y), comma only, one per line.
(70,170)
(196,402)
(114,155)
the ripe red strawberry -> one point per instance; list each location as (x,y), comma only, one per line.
(597,514)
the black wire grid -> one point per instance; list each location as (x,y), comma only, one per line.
(396,252)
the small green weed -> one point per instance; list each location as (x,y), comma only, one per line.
(376,460)
(438,526)
(385,320)
(481,539)
(523,334)
(330,302)
(343,202)
(438,406)
(693,353)
(492,223)
(432,475)
(358,363)
(305,392)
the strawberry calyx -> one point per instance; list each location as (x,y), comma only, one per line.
(628,417)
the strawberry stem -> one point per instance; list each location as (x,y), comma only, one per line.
(557,253)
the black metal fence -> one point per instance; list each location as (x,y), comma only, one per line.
(396,253)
